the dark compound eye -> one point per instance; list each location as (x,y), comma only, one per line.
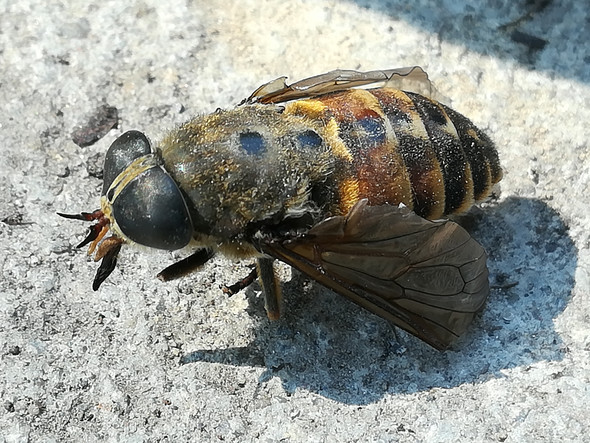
(151,211)
(309,139)
(128,147)
(252,142)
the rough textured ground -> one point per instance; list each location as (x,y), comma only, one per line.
(141,360)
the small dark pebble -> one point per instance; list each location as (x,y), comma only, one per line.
(105,119)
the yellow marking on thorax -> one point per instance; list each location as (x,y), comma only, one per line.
(313,109)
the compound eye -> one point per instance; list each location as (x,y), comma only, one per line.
(128,147)
(150,210)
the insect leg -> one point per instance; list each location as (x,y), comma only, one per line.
(241,284)
(270,287)
(186,266)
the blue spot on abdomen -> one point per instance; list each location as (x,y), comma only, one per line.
(373,128)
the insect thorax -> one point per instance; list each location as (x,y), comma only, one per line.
(248,167)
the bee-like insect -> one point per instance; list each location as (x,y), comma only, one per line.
(347,185)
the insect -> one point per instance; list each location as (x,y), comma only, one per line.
(350,186)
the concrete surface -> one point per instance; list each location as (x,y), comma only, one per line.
(144,361)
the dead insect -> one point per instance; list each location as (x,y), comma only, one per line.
(346,185)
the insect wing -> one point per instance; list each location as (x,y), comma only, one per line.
(278,91)
(429,278)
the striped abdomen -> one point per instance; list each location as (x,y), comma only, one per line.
(394,146)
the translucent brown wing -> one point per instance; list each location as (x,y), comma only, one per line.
(278,90)
(427,277)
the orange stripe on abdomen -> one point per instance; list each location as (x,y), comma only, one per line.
(415,148)
(376,163)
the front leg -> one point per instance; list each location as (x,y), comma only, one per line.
(187,265)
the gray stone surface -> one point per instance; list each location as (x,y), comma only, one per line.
(141,360)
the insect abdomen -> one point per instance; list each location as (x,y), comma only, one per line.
(400,147)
